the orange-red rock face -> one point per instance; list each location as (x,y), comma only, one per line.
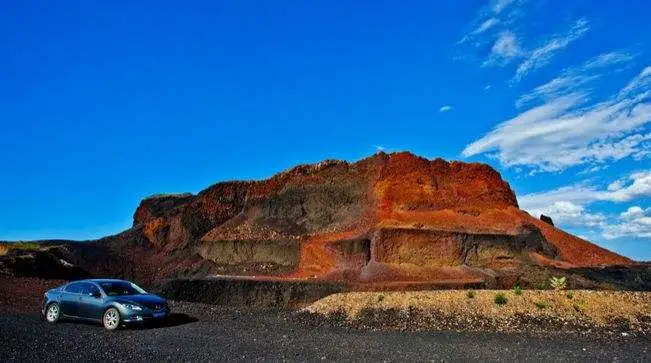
(390,218)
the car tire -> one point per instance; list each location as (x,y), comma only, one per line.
(111,319)
(53,313)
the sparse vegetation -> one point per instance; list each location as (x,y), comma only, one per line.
(500,299)
(558,283)
(517,290)
(380,298)
(587,310)
(541,304)
(579,307)
(23,245)
(570,295)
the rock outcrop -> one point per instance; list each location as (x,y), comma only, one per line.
(547,219)
(384,220)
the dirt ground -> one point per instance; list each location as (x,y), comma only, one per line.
(581,310)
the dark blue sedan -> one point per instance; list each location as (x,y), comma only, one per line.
(111,302)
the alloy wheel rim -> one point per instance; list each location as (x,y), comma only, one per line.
(111,319)
(52,313)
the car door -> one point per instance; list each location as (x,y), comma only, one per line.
(90,302)
(70,299)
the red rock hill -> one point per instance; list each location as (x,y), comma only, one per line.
(389,218)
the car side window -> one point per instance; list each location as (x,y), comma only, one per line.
(74,288)
(92,290)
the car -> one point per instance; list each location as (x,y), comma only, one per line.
(111,302)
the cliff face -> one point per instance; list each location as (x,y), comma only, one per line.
(386,218)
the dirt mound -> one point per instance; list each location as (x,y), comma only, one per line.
(386,219)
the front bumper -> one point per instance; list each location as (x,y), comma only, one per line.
(143,316)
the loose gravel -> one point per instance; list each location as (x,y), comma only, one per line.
(211,333)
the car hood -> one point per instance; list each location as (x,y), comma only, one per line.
(145,299)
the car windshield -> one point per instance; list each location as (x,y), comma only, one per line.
(119,288)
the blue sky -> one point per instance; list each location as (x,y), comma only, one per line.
(103,104)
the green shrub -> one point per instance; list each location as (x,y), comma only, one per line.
(470,294)
(558,283)
(517,290)
(570,295)
(380,298)
(500,299)
(579,307)
(541,304)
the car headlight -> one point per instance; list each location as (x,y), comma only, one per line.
(132,307)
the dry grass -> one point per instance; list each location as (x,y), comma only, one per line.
(585,308)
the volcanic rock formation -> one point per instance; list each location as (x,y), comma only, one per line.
(387,220)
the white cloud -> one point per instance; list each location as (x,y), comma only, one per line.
(573,78)
(570,214)
(636,185)
(559,86)
(506,47)
(487,87)
(641,81)
(635,222)
(543,54)
(634,212)
(379,148)
(569,130)
(499,5)
(489,23)
(491,19)
(445,108)
(568,206)
(609,59)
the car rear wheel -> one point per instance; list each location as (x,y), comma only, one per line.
(111,319)
(53,313)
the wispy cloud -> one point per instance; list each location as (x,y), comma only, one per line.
(574,78)
(489,19)
(499,29)
(487,24)
(506,48)
(609,59)
(499,5)
(542,55)
(445,108)
(571,129)
(569,205)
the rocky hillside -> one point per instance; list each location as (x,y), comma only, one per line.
(386,220)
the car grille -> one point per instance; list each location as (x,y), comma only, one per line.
(156,306)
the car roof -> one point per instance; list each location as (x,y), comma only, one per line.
(98,281)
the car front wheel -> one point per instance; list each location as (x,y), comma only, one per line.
(111,319)
(53,313)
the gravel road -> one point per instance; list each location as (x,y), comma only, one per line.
(209,333)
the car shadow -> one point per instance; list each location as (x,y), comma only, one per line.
(174,319)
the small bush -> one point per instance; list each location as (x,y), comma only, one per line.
(470,294)
(517,290)
(579,307)
(570,295)
(380,298)
(500,299)
(541,304)
(558,283)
